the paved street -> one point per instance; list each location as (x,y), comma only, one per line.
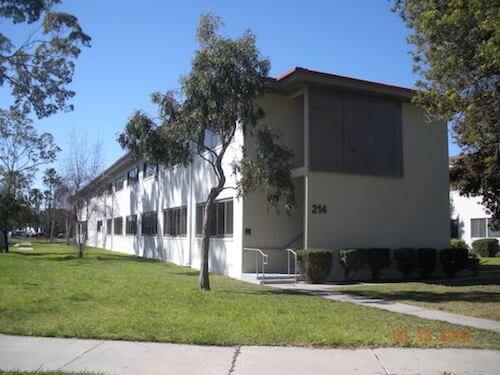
(123,357)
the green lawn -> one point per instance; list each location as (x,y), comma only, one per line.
(481,300)
(50,292)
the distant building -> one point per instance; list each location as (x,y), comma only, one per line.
(470,220)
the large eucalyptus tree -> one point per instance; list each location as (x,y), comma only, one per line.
(216,97)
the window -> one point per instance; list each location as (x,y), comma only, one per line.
(109,188)
(211,139)
(99,225)
(221,224)
(131,224)
(118,224)
(109,225)
(82,229)
(119,182)
(149,223)
(133,176)
(493,230)
(175,221)
(149,170)
(478,227)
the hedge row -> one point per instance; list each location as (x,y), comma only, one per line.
(315,264)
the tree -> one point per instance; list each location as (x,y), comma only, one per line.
(22,152)
(457,54)
(39,69)
(216,98)
(52,182)
(82,165)
(14,209)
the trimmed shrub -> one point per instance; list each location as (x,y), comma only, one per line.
(454,260)
(377,260)
(458,244)
(426,261)
(315,264)
(406,260)
(352,260)
(485,247)
(473,263)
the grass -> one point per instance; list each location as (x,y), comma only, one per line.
(50,292)
(45,373)
(480,299)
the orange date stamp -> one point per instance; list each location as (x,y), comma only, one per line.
(444,336)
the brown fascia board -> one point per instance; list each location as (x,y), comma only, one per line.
(298,78)
(106,174)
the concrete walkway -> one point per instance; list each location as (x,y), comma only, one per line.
(123,357)
(325,291)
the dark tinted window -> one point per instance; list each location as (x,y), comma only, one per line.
(149,223)
(175,221)
(118,226)
(221,223)
(131,224)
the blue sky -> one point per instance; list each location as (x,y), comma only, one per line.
(139,47)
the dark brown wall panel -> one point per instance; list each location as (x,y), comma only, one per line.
(355,133)
(326,135)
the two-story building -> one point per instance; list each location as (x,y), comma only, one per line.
(369,171)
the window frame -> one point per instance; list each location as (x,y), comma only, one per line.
(492,233)
(109,226)
(145,168)
(118,219)
(128,224)
(179,216)
(152,214)
(480,230)
(133,180)
(214,231)
(116,182)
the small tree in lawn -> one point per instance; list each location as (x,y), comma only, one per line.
(216,97)
(83,164)
(52,182)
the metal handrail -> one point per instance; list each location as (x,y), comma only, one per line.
(264,262)
(294,253)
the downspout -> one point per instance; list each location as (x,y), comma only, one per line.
(191,237)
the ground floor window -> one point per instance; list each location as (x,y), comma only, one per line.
(221,223)
(131,224)
(478,228)
(118,225)
(109,225)
(175,221)
(493,228)
(149,225)
(99,225)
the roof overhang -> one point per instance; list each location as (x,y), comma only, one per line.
(296,79)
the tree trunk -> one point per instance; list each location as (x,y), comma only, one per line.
(6,238)
(205,242)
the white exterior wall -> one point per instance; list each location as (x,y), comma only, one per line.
(179,186)
(464,209)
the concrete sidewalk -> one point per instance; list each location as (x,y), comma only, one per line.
(123,357)
(325,291)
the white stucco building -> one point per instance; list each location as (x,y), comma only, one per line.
(470,219)
(369,172)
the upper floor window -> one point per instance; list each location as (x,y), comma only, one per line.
(478,227)
(99,225)
(211,139)
(133,176)
(149,223)
(221,223)
(149,170)
(109,226)
(175,221)
(131,224)
(119,182)
(109,188)
(118,225)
